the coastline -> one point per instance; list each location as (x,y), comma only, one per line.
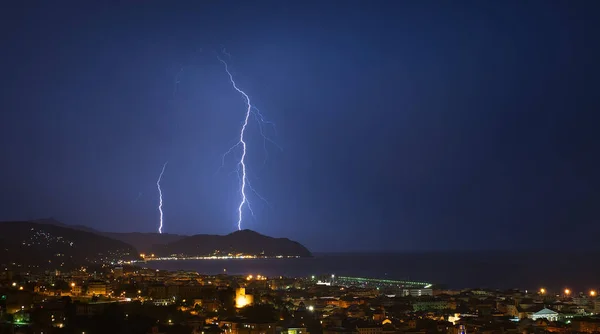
(240,257)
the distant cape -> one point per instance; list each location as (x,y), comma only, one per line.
(240,242)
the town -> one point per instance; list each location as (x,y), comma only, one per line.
(131,299)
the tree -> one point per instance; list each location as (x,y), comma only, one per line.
(260,313)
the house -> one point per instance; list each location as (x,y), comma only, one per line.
(545,313)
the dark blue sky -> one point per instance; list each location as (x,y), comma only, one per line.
(404,125)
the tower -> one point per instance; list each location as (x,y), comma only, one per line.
(242,299)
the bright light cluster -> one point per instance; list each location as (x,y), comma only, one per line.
(43,238)
(258,278)
(213,257)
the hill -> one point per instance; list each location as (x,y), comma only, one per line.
(245,242)
(44,245)
(144,242)
(52,221)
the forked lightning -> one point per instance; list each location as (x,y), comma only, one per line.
(160,198)
(242,168)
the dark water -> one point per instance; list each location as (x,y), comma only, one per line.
(502,270)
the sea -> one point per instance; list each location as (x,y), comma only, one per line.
(452,270)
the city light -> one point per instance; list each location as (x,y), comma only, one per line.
(215,257)
(241,301)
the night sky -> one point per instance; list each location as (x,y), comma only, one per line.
(404,125)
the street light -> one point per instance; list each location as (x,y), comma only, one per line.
(567,292)
(542,291)
(593,293)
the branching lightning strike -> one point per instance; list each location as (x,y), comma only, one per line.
(160,199)
(242,163)
(224,51)
(242,170)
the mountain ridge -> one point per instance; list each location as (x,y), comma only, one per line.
(243,241)
(37,244)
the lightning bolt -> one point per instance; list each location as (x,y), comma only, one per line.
(160,199)
(260,119)
(242,142)
(177,81)
(242,168)
(224,51)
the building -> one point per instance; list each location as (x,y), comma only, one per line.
(339,330)
(297,330)
(417,292)
(97,288)
(190,291)
(241,326)
(91,309)
(157,291)
(586,325)
(242,299)
(379,315)
(369,329)
(209,304)
(75,289)
(118,272)
(430,305)
(163,302)
(545,313)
